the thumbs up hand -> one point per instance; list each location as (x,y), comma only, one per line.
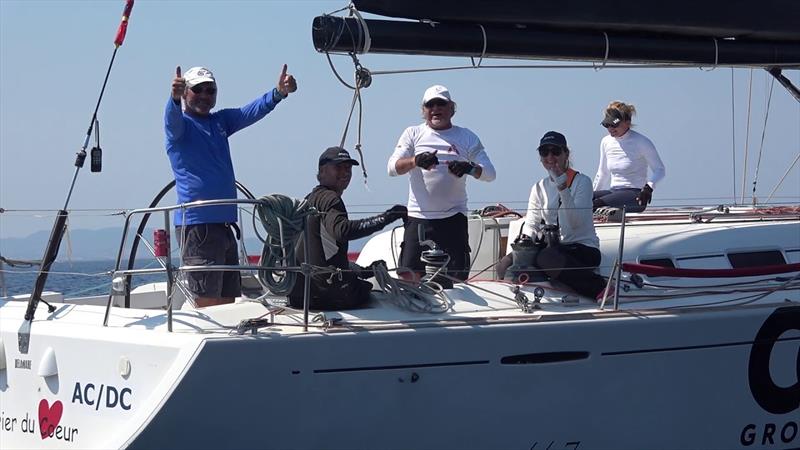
(286,82)
(178,85)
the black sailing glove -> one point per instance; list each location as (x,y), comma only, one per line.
(366,272)
(426,160)
(396,212)
(645,196)
(461,168)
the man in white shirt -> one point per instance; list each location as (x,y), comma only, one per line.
(437,155)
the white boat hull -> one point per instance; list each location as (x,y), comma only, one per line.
(679,379)
(687,364)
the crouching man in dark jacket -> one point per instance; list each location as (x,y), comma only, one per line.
(329,236)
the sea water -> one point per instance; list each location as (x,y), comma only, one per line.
(74,278)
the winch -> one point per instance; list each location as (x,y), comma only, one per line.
(436,261)
(523,268)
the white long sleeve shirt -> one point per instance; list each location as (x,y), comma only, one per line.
(573,215)
(624,162)
(437,193)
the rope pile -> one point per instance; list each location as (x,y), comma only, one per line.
(284,219)
(427,297)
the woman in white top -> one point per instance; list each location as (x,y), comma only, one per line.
(564,199)
(625,156)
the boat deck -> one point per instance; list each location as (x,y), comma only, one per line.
(480,302)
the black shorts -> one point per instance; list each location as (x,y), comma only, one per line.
(450,235)
(210,244)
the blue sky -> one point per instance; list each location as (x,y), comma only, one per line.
(53,56)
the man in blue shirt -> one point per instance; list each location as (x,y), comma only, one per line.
(198,150)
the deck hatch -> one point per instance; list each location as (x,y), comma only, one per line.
(661,262)
(756,259)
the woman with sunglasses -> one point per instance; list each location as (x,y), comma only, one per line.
(625,156)
(564,199)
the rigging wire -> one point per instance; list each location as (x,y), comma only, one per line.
(791,166)
(788,170)
(361,81)
(747,134)
(733,134)
(363,78)
(763,136)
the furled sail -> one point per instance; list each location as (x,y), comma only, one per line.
(751,19)
(713,32)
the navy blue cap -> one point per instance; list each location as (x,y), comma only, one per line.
(553,138)
(336,155)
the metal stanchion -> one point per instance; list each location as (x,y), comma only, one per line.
(168,266)
(116,268)
(306,270)
(619,259)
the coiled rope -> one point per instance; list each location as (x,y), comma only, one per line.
(284,219)
(427,297)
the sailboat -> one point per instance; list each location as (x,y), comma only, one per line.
(698,348)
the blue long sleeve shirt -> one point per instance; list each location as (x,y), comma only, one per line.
(200,156)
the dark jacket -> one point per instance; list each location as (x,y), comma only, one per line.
(329,236)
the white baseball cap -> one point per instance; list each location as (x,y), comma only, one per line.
(436,91)
(197,75)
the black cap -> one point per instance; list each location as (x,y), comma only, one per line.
(613,118)
(335,155)
(553,138)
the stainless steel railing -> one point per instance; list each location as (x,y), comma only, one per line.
(171,271)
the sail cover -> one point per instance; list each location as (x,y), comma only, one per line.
(750,19)
(764,33)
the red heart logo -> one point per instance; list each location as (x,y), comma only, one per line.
(49,417)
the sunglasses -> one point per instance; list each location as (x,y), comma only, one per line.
(610,125)
(201,90)
(550,149)
(436,102)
